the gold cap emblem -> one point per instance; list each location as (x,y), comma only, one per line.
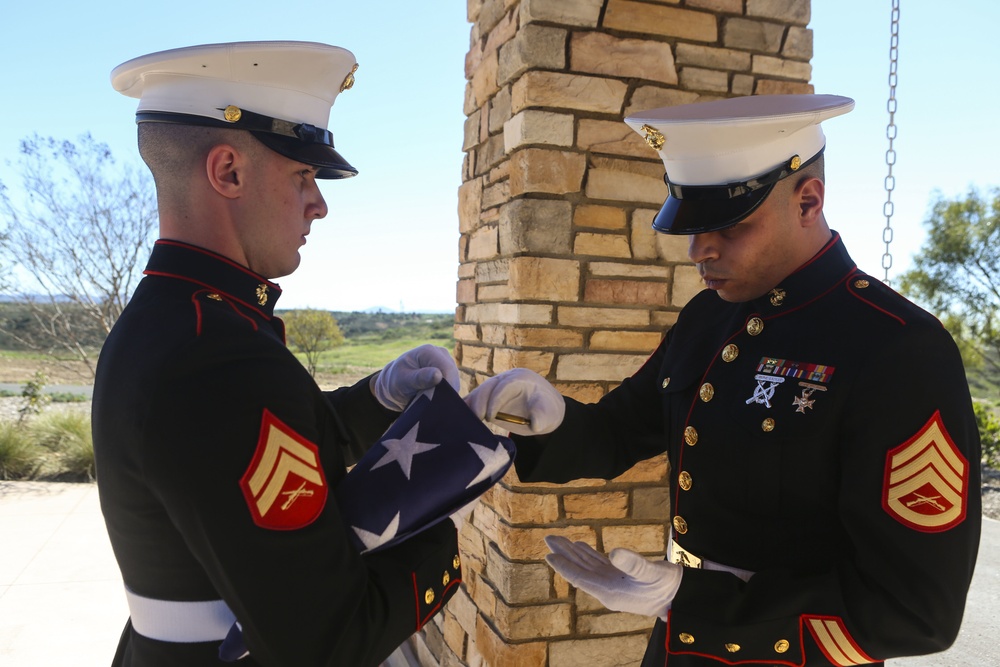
(795,163)
(232,113)
(262,294)
(654,138)
(349,79)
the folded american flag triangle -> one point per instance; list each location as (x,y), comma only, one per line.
(436,458)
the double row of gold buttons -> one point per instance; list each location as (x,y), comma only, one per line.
(706,393)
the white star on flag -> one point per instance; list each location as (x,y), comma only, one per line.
(402,450)
(493,461)
(372,540)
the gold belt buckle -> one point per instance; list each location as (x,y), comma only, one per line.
(682,556)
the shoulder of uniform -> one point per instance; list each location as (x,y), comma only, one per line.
(875,295)
(216,309)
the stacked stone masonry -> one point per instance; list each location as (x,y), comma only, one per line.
(560,272)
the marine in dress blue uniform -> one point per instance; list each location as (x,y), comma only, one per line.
(217,454)
(824,456)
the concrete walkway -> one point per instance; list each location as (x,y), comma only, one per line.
(61,599)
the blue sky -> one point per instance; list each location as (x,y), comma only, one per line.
(391,236)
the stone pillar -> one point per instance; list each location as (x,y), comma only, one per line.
(561,273)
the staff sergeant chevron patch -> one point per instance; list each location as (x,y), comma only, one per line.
(284,486)
(927,480)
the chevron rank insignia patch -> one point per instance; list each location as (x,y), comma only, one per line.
(284,487)
(835,641)
(927,480)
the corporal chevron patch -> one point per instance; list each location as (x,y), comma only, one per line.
(835,641)
(284,486)
(927,480)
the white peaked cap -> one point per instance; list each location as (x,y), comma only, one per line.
(715,151)
(287,87)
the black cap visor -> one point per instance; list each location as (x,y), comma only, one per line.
(326,159)
(696,216)
(696,209)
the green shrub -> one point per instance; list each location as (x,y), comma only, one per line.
(68,437)
(989,433)
(18,455)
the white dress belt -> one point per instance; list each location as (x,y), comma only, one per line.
(179,622)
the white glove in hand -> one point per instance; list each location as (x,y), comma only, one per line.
(624,582)
(412,372)
(519,392)
(462,515)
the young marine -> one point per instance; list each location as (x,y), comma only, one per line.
(216,451)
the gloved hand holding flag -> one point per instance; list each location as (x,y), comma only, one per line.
(433,461)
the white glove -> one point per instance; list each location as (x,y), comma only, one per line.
(523,393)
(412,372)
(624,582)
(462,515)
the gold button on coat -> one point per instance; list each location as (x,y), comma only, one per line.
(445,579)
(861,284)
(730,352)
(666,381)
(733,648)
(429,596)
(755,326)
(456,562)
(680,525)
(781,646)
(684,479)
(706,392)
(691,435)
(767,425)
(686,638)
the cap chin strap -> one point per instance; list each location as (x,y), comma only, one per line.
(248,120)
(739,188)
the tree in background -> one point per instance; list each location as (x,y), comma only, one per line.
(956,274)
(312,332)
(76,241)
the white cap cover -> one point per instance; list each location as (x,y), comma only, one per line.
(721,147)
(292,83)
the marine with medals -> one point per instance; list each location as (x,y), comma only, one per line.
(216,452)
(824,456)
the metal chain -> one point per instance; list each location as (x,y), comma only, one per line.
(890,133)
